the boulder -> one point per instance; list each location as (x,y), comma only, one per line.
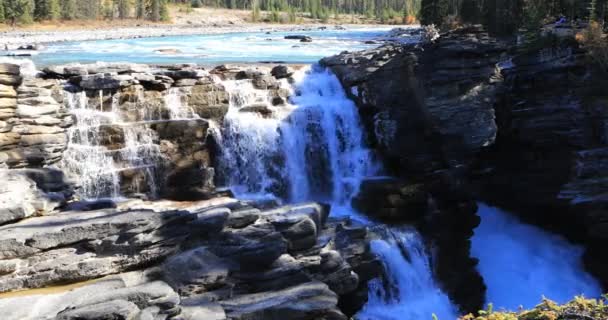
(195,271)
(299,37)
(281,72)
(209,101)
(102,81)
(20,197)
(10,69)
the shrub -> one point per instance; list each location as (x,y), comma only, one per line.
(579,308)
(594,40)
(196,4)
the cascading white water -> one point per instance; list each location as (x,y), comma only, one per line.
(412,292)
(85,159)
(522,263)
(99,170)
(309,148)
(312,149)
(175,102)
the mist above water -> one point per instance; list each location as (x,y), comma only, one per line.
(521,263)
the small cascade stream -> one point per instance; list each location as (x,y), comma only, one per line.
(312,148)
(99,169)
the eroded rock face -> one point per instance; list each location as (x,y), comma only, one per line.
(549,161)
(429,110)
(425,105)
(29,192)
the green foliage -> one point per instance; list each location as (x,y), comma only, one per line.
(164,11)
(140,9)
(2,18)
(123,7)
(18,11)
(578,308)
(196,4)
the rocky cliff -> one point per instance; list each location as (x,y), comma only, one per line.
(463,118)
(429,110)
(549,160)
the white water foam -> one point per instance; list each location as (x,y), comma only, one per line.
(410,292)
(309,148)
(521,263)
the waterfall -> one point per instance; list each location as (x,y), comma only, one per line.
(522,263)
(85,159)
(312,148)
(410,292)
(309,148)
(108,145)
(176,103)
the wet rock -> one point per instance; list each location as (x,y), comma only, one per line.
(168,51)
(102,81)
(299,37)
(262,109)
(281,72)
(10,69)
(20,197)
(209,101)
(392,200)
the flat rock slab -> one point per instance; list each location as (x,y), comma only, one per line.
(41,233)
(112,295)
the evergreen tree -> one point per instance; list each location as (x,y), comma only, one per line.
(123,7)
(434,11)
(54,11)
(140,9)
(18,10)
(593,11)
(164,11)
(155,10)
(68,9)
(2,18)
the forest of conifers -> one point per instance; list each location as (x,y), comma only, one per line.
(498,15)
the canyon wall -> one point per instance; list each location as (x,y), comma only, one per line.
(462,117)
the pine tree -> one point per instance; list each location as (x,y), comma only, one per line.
(124,8)
(68,9)
(593,11)
(18,10)
(2,18)
(155,10)
(164,11)
(140,9)
(54,11)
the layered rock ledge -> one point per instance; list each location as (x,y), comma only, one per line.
(214,259)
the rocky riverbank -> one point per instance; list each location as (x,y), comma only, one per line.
(216,259)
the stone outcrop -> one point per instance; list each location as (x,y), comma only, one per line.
(32,120)
(428,109)
(220,258)
(29,192)
(428,105)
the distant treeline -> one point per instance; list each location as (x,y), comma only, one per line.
(506,16)
(27,11)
